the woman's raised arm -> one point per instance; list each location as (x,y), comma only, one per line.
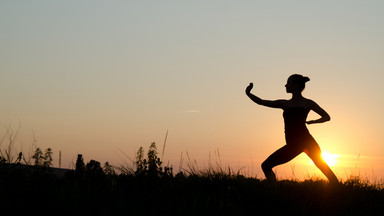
(267,103)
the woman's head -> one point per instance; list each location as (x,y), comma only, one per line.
(296,82)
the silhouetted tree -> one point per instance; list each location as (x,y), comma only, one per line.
(140,162)
(80,166)
(48,158)
(154,163)
(151,166)
(38,157)
(93,167)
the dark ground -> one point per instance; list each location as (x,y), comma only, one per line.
(38,191)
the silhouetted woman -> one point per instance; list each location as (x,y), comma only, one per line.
(298,139)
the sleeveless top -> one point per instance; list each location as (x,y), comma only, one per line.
(294,123)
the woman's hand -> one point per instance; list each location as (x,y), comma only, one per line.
(249,88)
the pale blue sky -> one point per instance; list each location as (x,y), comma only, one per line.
(92,77)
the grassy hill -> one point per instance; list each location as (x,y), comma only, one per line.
(149,188)
(38,190)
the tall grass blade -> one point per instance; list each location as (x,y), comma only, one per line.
(165,142)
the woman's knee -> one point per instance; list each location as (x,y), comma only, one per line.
(265,166)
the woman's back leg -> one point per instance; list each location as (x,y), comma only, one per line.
(281,156)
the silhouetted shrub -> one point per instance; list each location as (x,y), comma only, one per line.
(154,163)
(109,169)
(38,157)
(41,159)
(141,163)
(151,166)
(93,167)
(2,160)
(47,158)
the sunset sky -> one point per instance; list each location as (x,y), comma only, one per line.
(103,78)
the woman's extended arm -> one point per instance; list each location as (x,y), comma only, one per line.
(267,103)
(317,109)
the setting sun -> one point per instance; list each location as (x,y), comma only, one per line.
(330,159)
